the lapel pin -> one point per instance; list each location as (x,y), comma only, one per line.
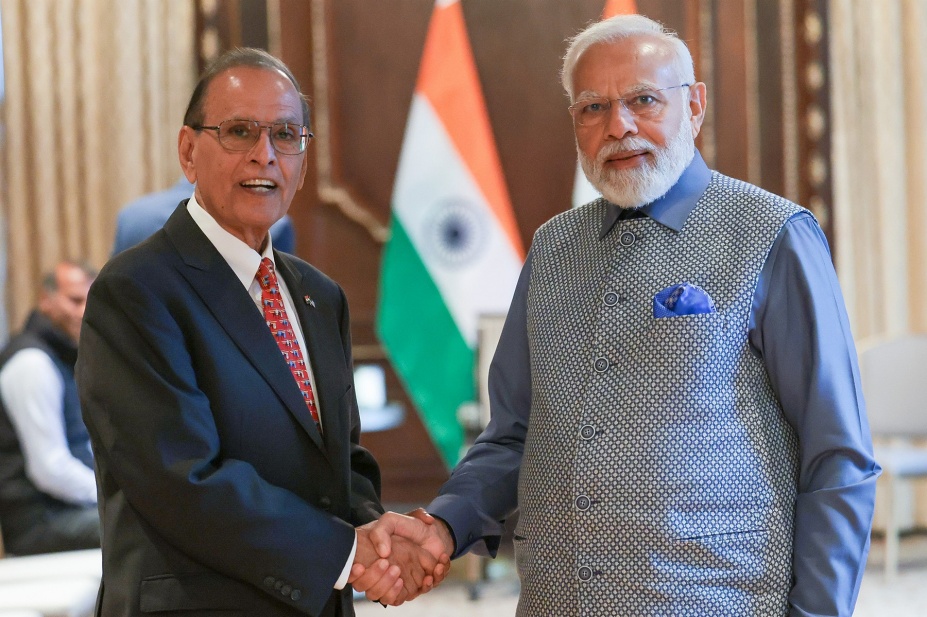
(309,301)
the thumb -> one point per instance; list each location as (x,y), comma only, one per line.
(422,515)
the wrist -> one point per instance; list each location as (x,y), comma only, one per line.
(446,534)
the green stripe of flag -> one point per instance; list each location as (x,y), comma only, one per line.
(426,348)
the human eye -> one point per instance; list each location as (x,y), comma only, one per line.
(238,129)
(644,99)
(644,102)
(286,132)
(594,106)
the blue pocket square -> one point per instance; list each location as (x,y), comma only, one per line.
(682,299)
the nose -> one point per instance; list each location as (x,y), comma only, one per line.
(620,121)
(263,150)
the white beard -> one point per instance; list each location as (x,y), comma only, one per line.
(639,186)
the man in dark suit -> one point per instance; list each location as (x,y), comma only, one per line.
(228,467)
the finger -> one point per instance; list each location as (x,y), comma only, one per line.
(427,562)
(439,573)
(371,575)
(357,570)
(422,515)
(401,525)
(395,591)
(403,597)
(381,530)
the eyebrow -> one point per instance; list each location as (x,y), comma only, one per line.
(641,87)
(285,120)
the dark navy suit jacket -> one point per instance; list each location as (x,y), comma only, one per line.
(217,492)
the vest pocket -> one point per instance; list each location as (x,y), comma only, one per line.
(753,548)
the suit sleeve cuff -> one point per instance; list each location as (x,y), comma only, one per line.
(346,572)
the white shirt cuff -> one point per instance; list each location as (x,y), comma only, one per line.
(343,579)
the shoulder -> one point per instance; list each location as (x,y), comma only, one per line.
(745,196)
(314,277)
(566,226)
(28,367)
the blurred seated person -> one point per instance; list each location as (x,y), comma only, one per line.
(48,496)
(140,218)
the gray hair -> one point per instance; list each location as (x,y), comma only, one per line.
(623,27)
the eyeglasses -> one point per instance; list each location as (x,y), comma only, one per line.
(241,135)
(645,103)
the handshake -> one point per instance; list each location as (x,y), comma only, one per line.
(401,556)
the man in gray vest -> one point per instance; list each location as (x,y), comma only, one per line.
(676,410)
(48,495)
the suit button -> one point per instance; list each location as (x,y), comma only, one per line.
(611,299)
(627,239)
(583,503)
(584,573)
(278,585)
(587,432)
(269,581)
(600,365)
(296,595)
(326,503)
(285,590)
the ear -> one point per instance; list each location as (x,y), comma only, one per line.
(185,149)
(697,104)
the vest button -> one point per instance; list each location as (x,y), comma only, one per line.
(582,503)
(325,503)
(627,239)
(587,432)
(584,573)
(611,299)
(601,365)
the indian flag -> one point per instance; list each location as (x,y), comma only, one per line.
(583,191)
(454,252)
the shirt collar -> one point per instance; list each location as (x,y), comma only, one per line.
(243,259)
(672,209)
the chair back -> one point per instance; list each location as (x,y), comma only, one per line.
(894,379)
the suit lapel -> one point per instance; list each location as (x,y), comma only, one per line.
(324,346)
(227,300)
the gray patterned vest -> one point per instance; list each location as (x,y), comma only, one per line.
(659,475)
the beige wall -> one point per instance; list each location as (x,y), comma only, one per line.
(95,93)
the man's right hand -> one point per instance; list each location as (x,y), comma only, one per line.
(404,564)
(417,526)
(408,572)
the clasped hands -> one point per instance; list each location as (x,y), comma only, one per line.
(401,556)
